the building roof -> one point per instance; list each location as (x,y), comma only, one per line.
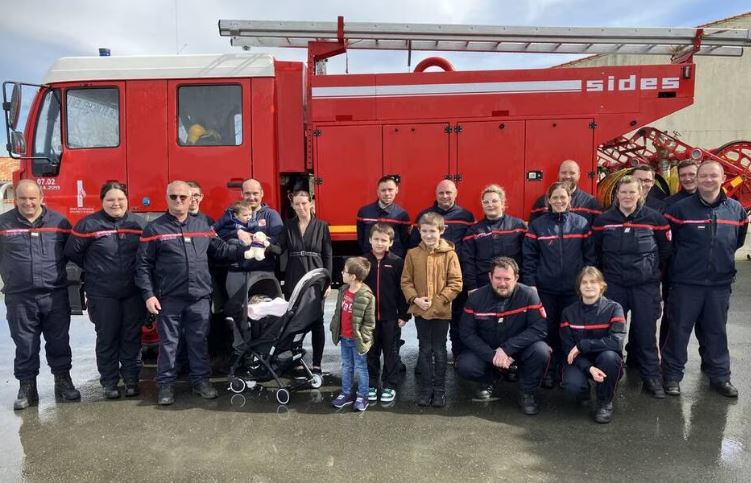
(7,166)
(160,67)
(715,23)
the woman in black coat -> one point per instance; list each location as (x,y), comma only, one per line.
(307,242)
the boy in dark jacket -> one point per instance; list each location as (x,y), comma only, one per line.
(384,279)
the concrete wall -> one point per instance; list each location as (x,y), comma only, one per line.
(722,104)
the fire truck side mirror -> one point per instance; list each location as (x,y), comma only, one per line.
(14,107)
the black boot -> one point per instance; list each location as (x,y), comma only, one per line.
(131,388)
(27,394)
(425,397)
(111,391)
(439,398)
(166,395)
(64,388)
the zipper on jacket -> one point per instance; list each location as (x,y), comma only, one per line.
(378,286)
(712,236)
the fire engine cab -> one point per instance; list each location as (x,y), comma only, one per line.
(218,119)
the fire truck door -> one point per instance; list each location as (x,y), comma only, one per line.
(347,166)
(490,152)
(548,143)
(209,138)
(419,155)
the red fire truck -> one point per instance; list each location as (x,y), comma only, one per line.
(218,119)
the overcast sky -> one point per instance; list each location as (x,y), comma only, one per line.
(33,33)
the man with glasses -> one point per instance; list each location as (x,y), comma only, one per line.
(172,273)
(651,194)
(196,196)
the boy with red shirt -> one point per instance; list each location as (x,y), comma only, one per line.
(352,325)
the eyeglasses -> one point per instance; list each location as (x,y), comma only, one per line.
(196,196)
(344,272)
(175,197)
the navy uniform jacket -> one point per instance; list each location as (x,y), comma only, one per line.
(582,203)
(172,259)
(105,247)
(632,250)
(556,248)
(513,323)
(32,255)
(486,240)
(593,329)
(457,219)
(705,238)
(393,215)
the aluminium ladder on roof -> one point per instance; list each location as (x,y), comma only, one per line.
(483,38)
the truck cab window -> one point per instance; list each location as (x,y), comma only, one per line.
(93,118)
(47,141)
(209,115)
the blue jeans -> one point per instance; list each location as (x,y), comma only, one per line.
(353,362)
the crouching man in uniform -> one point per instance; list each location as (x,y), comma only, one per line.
(503,325)
(172,273)
(32,266)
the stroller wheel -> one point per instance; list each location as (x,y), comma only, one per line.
(282,395)
(316,381)
(236,385)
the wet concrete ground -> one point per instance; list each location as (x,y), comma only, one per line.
(700,436)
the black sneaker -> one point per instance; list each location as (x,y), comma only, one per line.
(672,388)
(547,380)
(528,404)
(604,412)
(484,393)
(654,387)
(725,388)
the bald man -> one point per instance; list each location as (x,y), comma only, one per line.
(582,203)
(32,266)
(457,220)
(172,273)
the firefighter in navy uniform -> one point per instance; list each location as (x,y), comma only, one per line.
(632,242)
(32,266)
(687,178)
(384,210)
(652,195)
(592,334)
(582,203)
(707,228)
(104,244)
(556,247)
(173,275)
(504,326)
(496,235)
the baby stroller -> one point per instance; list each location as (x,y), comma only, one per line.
(273,344)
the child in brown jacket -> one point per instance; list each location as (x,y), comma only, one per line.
(431,279)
